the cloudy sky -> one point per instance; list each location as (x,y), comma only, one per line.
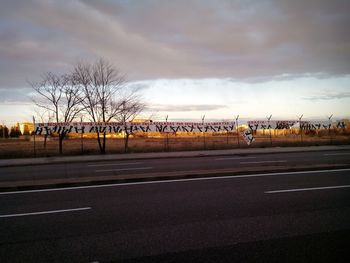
(218,58)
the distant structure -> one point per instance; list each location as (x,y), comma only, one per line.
(141,120)
(26,128)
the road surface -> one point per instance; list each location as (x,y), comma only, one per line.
(148,167)
(274,217)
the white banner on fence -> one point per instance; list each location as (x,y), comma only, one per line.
(130,127)
(318,125)
(248,136)
(305,125)
(265,125)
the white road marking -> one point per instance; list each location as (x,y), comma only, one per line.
(307,189)
(277,161)
(112,164)
(335,154)
(171,181)
(123,169)
(46,212)
(234,158)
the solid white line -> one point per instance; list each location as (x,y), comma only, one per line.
(46,212)
(335,154)
(277,161)
(123,169)
(234,158)
(307,189)
(112,164)
(171,181)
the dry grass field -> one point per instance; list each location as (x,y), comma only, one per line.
(19,148)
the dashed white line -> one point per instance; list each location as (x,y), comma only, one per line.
(307,189)
(234,158)
(112,164)
(123,169)
(277,161)
(171,181)
(46,212)
(335,154)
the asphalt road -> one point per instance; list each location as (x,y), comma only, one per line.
(282,217)
(148,167)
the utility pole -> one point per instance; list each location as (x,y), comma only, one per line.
(237,130)
(34,146)
(167,134)
(3,130)
(268,122)
(81,135)
(227,134)
(203,130)
(329,128)
(300,128)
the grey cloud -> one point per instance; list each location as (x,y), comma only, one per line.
(284,77)
(243,40)
(139,86)
(13,96)
(329,96)
(177,108)
(249,39)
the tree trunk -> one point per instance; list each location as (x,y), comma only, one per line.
(45,140)
(60,143)
(104,142)
(126,143)
(99,143)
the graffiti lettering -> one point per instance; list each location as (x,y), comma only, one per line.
(131,127)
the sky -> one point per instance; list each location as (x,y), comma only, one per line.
(188,58)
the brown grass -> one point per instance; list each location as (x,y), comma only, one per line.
(18,148)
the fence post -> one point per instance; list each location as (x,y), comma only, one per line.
(227,135)
(203,131)
(82,136)
(3,130)
(34,146)
(167,135)
(269,118)
(329,128)
(300,128)
(237,130)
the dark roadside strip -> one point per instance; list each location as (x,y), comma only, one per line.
(165,176)
(168,155)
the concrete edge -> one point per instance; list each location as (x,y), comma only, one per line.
(88,181)
(165,155)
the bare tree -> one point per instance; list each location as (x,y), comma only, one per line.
(43,116)
(58,95)
(129,107)
(100,83)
